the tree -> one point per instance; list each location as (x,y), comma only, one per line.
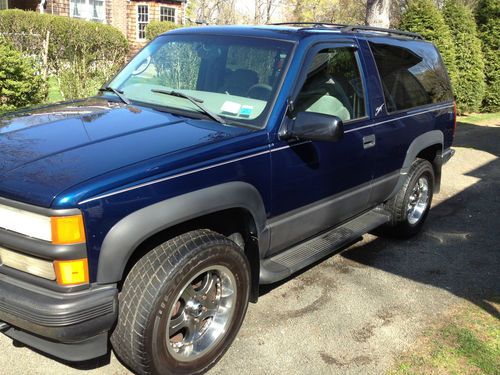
(218,12)
(377,13)
(264,10)
(20,84)
(488,18)
(423,17)
(333,11)
(469,87)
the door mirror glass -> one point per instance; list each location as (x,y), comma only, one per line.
(316,127)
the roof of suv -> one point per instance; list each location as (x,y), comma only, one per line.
(296,31)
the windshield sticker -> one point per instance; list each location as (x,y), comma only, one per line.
(246,110)
(231,107)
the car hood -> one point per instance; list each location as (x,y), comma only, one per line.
(47,150)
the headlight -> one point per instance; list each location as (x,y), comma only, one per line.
(57,229)
(66,272)
(28,264)
(25,222)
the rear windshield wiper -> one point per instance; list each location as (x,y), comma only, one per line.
(118,93)
(197,102)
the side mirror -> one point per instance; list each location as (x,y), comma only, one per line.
(316,127)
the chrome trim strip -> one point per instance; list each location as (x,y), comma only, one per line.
(247,157)
(400,118)
(177,175)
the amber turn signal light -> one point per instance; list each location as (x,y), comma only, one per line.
(67,230)
(72,272)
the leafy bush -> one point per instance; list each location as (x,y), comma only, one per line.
(20,84)
(81,55)
(469,87)
(423,17)
(488,18)
(155,28)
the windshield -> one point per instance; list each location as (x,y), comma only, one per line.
(234,77)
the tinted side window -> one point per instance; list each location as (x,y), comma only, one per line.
(412,74)
(333,85)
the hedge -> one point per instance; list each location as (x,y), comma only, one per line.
(82,55)
(469,87)
(423,17)
(20,83)
(155,28)
(488,18)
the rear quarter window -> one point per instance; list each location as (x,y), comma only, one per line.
(412,74)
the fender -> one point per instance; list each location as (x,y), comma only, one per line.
(126,235)
(420,143)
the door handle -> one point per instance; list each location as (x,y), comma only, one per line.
(369,141)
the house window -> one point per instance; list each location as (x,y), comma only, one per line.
(142,20)
(4,4)
(167,14)
(90,10)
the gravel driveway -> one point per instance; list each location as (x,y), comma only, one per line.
(355,311)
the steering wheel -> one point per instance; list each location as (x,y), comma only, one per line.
(260,91)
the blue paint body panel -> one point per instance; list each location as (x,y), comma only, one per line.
(109,159)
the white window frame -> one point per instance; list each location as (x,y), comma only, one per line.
(89,11)
(171,8)
(139,22)
(4,4)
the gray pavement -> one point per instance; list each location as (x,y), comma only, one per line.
(354,312)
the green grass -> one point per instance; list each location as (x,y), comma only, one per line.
(54,93)
(466,343)
(480,117)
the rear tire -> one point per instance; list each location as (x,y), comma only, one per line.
(182,305)
(410,206)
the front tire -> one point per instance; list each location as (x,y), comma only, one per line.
(182,305)
(410,206)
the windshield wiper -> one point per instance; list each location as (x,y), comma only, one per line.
(197,102)
(118,93)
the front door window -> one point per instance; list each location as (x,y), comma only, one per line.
(333,85)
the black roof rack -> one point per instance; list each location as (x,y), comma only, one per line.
(311,24)
(407,34)
(353,28)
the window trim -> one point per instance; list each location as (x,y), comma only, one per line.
(309,56)
(88,17)
(6,3)
(138,23)
(169,7)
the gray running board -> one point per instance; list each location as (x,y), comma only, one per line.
(282,265)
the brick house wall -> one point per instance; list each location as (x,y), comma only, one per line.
(154,12)
(123,15)
(59,7)
(118,15)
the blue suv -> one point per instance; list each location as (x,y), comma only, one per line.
(217,160)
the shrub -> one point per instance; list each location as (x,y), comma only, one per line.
(20,83)
(423,17)
(469,87)
(81,55)
(155,28)
(488,18)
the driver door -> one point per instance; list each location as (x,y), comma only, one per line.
(319,184)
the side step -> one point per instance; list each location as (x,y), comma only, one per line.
(306,253)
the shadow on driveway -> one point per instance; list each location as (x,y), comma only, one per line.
(459,249)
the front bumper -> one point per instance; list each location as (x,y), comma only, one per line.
(72,326)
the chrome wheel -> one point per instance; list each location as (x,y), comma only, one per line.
(419,201)
(201,314)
